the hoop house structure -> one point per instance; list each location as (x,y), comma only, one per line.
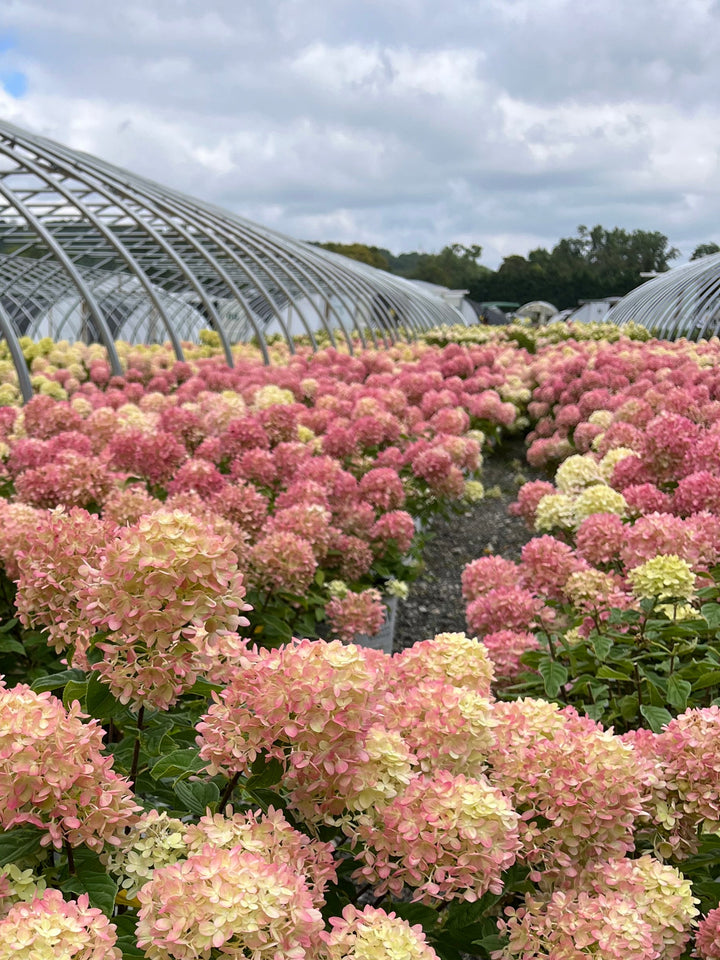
(89,251)
(685,302)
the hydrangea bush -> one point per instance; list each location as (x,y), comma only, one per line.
(196,761)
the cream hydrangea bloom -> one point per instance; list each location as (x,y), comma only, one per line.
(555,510)
(576,473)
(598,499)
(666,577)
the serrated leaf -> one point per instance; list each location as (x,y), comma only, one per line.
(179,763)
(19,843)
(91,877)
(602,646)
(554,675)
(74,690)
(657,717)
(711,614)
(678,691)
(709,679)
(196,795)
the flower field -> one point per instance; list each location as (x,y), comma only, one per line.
(196,761)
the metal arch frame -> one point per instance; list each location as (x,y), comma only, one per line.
(18,357)
(147,228)
(125,254)
(173,245)
(674,303)
(188,218)
(77,279)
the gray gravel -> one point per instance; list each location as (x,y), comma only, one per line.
(435,604)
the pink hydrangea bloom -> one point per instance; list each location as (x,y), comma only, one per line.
(505,608)
(371,932)
(53,774)
(51,926)
(505,647)
(481,576)
(445,836)
(169,594)
(707,938)
(600,537)
(233,901)
(282,561)
(355,613)
(453,658)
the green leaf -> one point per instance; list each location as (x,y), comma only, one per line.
(74,690)
(657,717)
(609,673)
(709,679)
(628,706)
(100,703)
(197,795)
(265,773)
(19,843)
(414,913)
(91,877)
(678,691)
(711,614)
(10,645)
(554,675)
(179,763)
(9,625)
(53,681)
(602,646)
(127,938)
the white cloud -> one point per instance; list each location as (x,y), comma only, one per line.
(398,122)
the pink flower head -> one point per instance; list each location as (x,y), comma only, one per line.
(228,900)
(481,576)
(51,926)
(546,565)
(600,537)
(505,647)
(169,594)
(707,938)
(445,837)
(54,776)
(355,613)
(382,488)
(282,561)
(452,658)
(504,608)
(154,457)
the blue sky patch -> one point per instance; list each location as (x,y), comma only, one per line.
(15,83)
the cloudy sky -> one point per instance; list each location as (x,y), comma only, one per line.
(408,124)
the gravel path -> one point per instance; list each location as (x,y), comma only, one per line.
(435,604)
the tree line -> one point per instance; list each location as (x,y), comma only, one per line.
(595,263)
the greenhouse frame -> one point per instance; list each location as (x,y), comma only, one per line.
(92,252)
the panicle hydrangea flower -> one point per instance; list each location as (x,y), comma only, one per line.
(578,788)
(243,504)
(282,561)
(573,926)
(688,751)
(593,590)
(231,901)
(505,648)
(435,466)
(454,658)
(511,608)
(707,938)
(446,727)
(350,556)
(197,476)
(53,775)
(18,522)
(71,480)
(696,492)
(169,594)
(382,487)
(611,459)
(309,705)
(598,499)
(528,498)
(50,580)
(600,537)
(373,934)
(396,526)
(667,440)
(271,837)
(445,836)
(52,927)
(125,506)
(356,613)
(18,884)
(154,456)
(546,565)
(665,577)
(388,768)
(155,840)
(555,511)
(661,894)
(310,521)
(576,473)
(659,533)
(481,576)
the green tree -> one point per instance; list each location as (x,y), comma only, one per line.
(704,250)
(373,256)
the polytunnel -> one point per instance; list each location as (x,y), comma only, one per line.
(90,251)
(684,302)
